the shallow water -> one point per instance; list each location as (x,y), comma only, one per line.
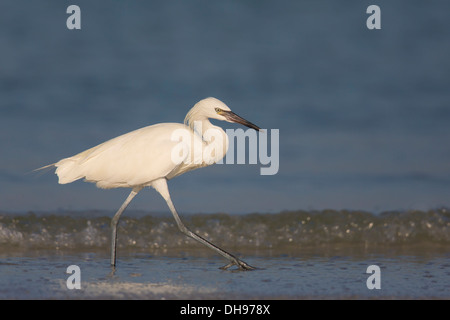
(141,276)
(284,232)
(298,255)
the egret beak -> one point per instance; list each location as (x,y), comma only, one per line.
(230,116)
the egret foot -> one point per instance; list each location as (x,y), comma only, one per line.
(240,264)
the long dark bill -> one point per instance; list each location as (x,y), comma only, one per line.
(233,117)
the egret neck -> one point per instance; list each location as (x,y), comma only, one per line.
(215,140)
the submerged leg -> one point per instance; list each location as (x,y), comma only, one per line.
(161,187)
(115,221)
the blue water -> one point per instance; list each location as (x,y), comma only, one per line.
(335,275)
(363,114)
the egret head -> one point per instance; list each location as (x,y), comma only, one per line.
(215,109)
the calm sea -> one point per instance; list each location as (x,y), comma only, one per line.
(363,114)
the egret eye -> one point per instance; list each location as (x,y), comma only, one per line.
(218,110)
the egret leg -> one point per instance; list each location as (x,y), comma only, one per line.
(115,222)
(161,187)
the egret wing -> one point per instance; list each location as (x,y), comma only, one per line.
(133,159)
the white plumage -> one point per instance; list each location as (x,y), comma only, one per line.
(130,160)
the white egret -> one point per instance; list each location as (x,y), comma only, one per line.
(145,157)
